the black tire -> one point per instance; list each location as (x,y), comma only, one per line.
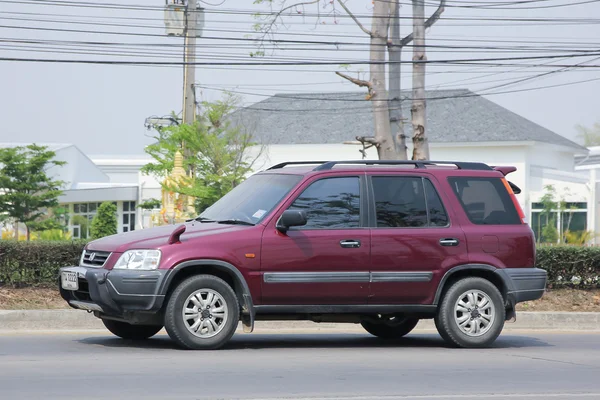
(446,318)
(390,331)
(131,332)
(177,327)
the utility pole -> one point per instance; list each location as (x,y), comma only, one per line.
(394,72)
(189,73)
(189,59)
(420,145)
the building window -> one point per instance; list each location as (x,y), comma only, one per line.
(81,220)
(128,216)
(551,226)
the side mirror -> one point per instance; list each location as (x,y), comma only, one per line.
(291,218)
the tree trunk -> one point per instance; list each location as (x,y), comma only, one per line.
(420,145)
(383,136)
(394,73)
(28,233)
(17,230)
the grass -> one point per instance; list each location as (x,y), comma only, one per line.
(553,300)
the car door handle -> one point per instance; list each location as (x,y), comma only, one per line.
(449,242)
(350,244)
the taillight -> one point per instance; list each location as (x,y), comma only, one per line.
(515,201)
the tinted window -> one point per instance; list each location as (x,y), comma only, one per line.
(407,202)
(252,199)
(399,202)
(437,213)
(485,201)
(331,203)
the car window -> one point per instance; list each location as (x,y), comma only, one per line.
(485,200)
(399,202)
(331,203)
(252,199)
(435,207)
(407,202)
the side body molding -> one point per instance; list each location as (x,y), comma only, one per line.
(241,286)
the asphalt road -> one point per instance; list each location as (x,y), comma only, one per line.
(93,365)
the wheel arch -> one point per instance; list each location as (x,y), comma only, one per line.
(221,269)
(495,275)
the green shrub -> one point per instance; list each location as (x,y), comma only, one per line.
(105,221)
(570,265)
(36,263)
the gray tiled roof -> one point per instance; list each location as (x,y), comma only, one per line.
(452,116)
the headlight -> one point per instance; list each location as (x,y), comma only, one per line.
(139,259)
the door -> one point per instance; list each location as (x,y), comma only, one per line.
(413,240)
(327,260)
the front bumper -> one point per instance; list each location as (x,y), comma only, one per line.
(133,296)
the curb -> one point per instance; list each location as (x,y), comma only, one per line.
(34,320)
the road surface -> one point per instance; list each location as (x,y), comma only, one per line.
(334,365)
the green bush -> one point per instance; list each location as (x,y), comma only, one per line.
(36,263)
(105,221)
(574,266)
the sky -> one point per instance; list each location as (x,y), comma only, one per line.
(102,108)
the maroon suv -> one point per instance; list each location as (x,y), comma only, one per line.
(380,243)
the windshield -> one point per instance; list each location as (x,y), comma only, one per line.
(251,200)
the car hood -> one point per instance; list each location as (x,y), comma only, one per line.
(153,238)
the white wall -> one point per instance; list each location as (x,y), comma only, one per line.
(492,155)
(537,165)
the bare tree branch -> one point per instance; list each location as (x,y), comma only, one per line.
(361,26)
(428,23)
(368,139)
(356,81)
(266,30)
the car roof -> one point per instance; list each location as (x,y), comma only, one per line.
(387,166)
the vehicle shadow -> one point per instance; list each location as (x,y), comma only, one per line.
(260,341)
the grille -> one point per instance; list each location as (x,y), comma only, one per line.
(93,258)
(83,293)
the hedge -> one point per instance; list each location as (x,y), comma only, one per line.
(573,266)
(37,263)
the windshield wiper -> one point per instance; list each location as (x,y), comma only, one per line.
(203,219)
(234,222)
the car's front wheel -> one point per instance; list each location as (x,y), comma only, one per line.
(202,313)
(471,314)
(390,328)
(131,332)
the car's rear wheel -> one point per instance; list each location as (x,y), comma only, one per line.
(202,313)
(471,313)
(131,332)
(390,328)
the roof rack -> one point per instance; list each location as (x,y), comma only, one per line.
(284,164)
(418,164)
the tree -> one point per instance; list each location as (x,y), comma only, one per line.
(27,192)
(151,204)
(54,219)
(105,221)
(395,47)
(389,138)
(218,153)
(589,136)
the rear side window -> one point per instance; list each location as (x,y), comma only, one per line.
(407,202)
(485,200)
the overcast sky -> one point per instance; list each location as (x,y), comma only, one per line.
(102,108)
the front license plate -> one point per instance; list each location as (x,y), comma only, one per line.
(69,281)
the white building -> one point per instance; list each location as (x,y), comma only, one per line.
(461,126)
